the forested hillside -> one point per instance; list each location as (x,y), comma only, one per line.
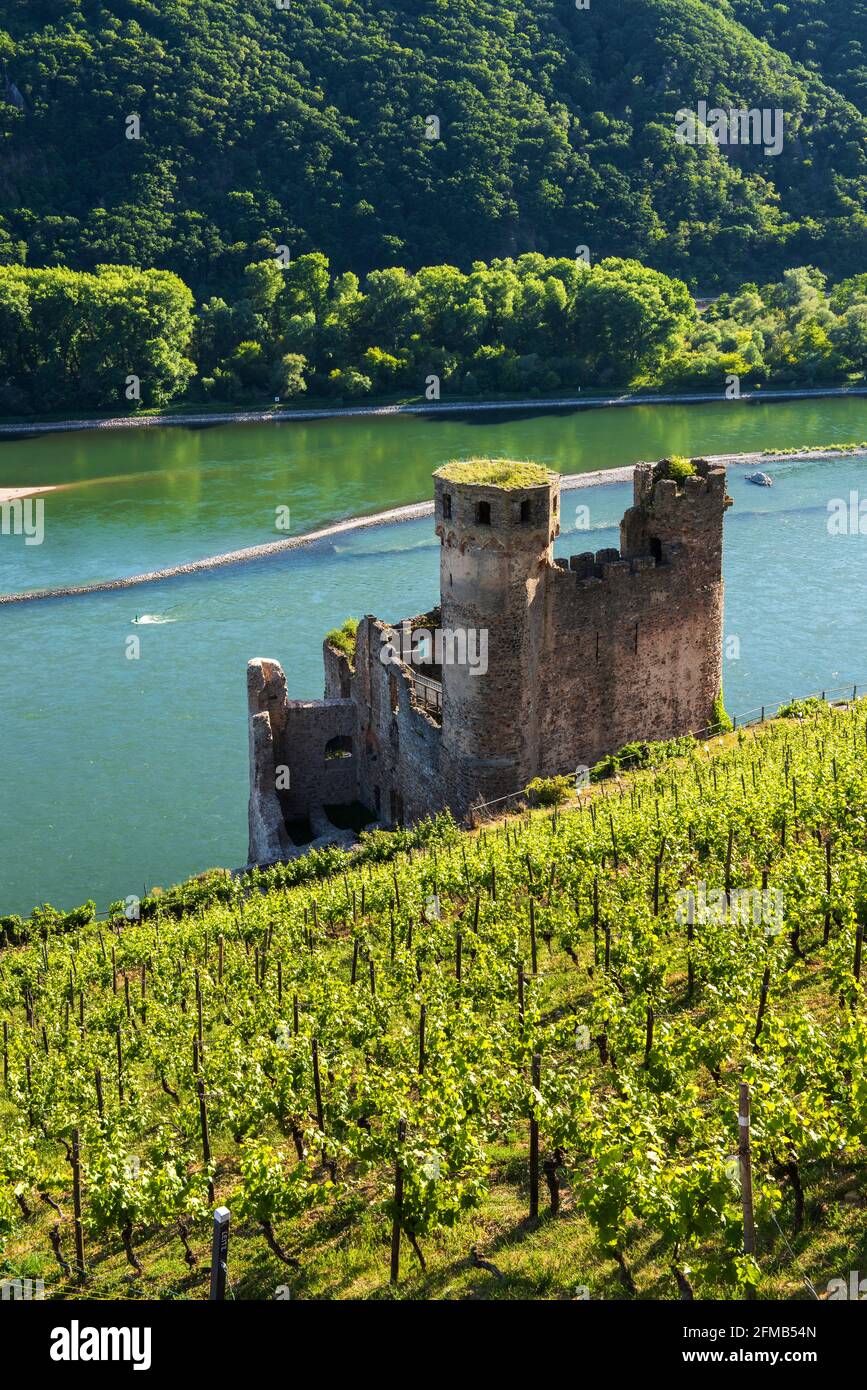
(828,36)
(305,126)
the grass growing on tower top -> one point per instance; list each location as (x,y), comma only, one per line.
(343,638)
(505,473)
(678,468)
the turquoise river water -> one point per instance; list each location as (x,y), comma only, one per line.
(118,773)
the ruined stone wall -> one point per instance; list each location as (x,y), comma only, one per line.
(399,769)
(631,660)
(292,735)
(266,705)
(338,673)
(316,778)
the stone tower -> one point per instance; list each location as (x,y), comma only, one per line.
(497,522)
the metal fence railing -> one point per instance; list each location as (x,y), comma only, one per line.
(760,713)
(428,693)
(497,806)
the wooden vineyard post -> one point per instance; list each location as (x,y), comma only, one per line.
(690,937)
(203,1117)
(220,1254)
(728,880)
(827,926)
(763,1003)
(595,913)
(521,994)
(648,1035)
(422,1021)
(76,1206)
(533,960)
(859,941)
(317,1087)
(119,1049)
(397,1218)
(27,1073)
(536,1075)
(746,1173)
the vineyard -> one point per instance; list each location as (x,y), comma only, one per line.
(498,1064)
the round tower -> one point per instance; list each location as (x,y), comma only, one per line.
(497,521)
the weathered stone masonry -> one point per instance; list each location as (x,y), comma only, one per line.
(583,656)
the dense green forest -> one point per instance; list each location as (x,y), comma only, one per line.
(305,126)
(827,36)
(282,225)
(73,339)
(122,337)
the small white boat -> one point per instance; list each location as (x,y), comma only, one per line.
(760,479)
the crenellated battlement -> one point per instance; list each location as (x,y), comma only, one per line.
(593,567)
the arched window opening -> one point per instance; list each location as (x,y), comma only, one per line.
(338,747)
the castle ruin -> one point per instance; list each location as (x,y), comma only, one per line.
(529,666)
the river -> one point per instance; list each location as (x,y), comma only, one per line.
(120,773)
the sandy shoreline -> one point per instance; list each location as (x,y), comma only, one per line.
(11,494)
(262,417)
(410,512)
